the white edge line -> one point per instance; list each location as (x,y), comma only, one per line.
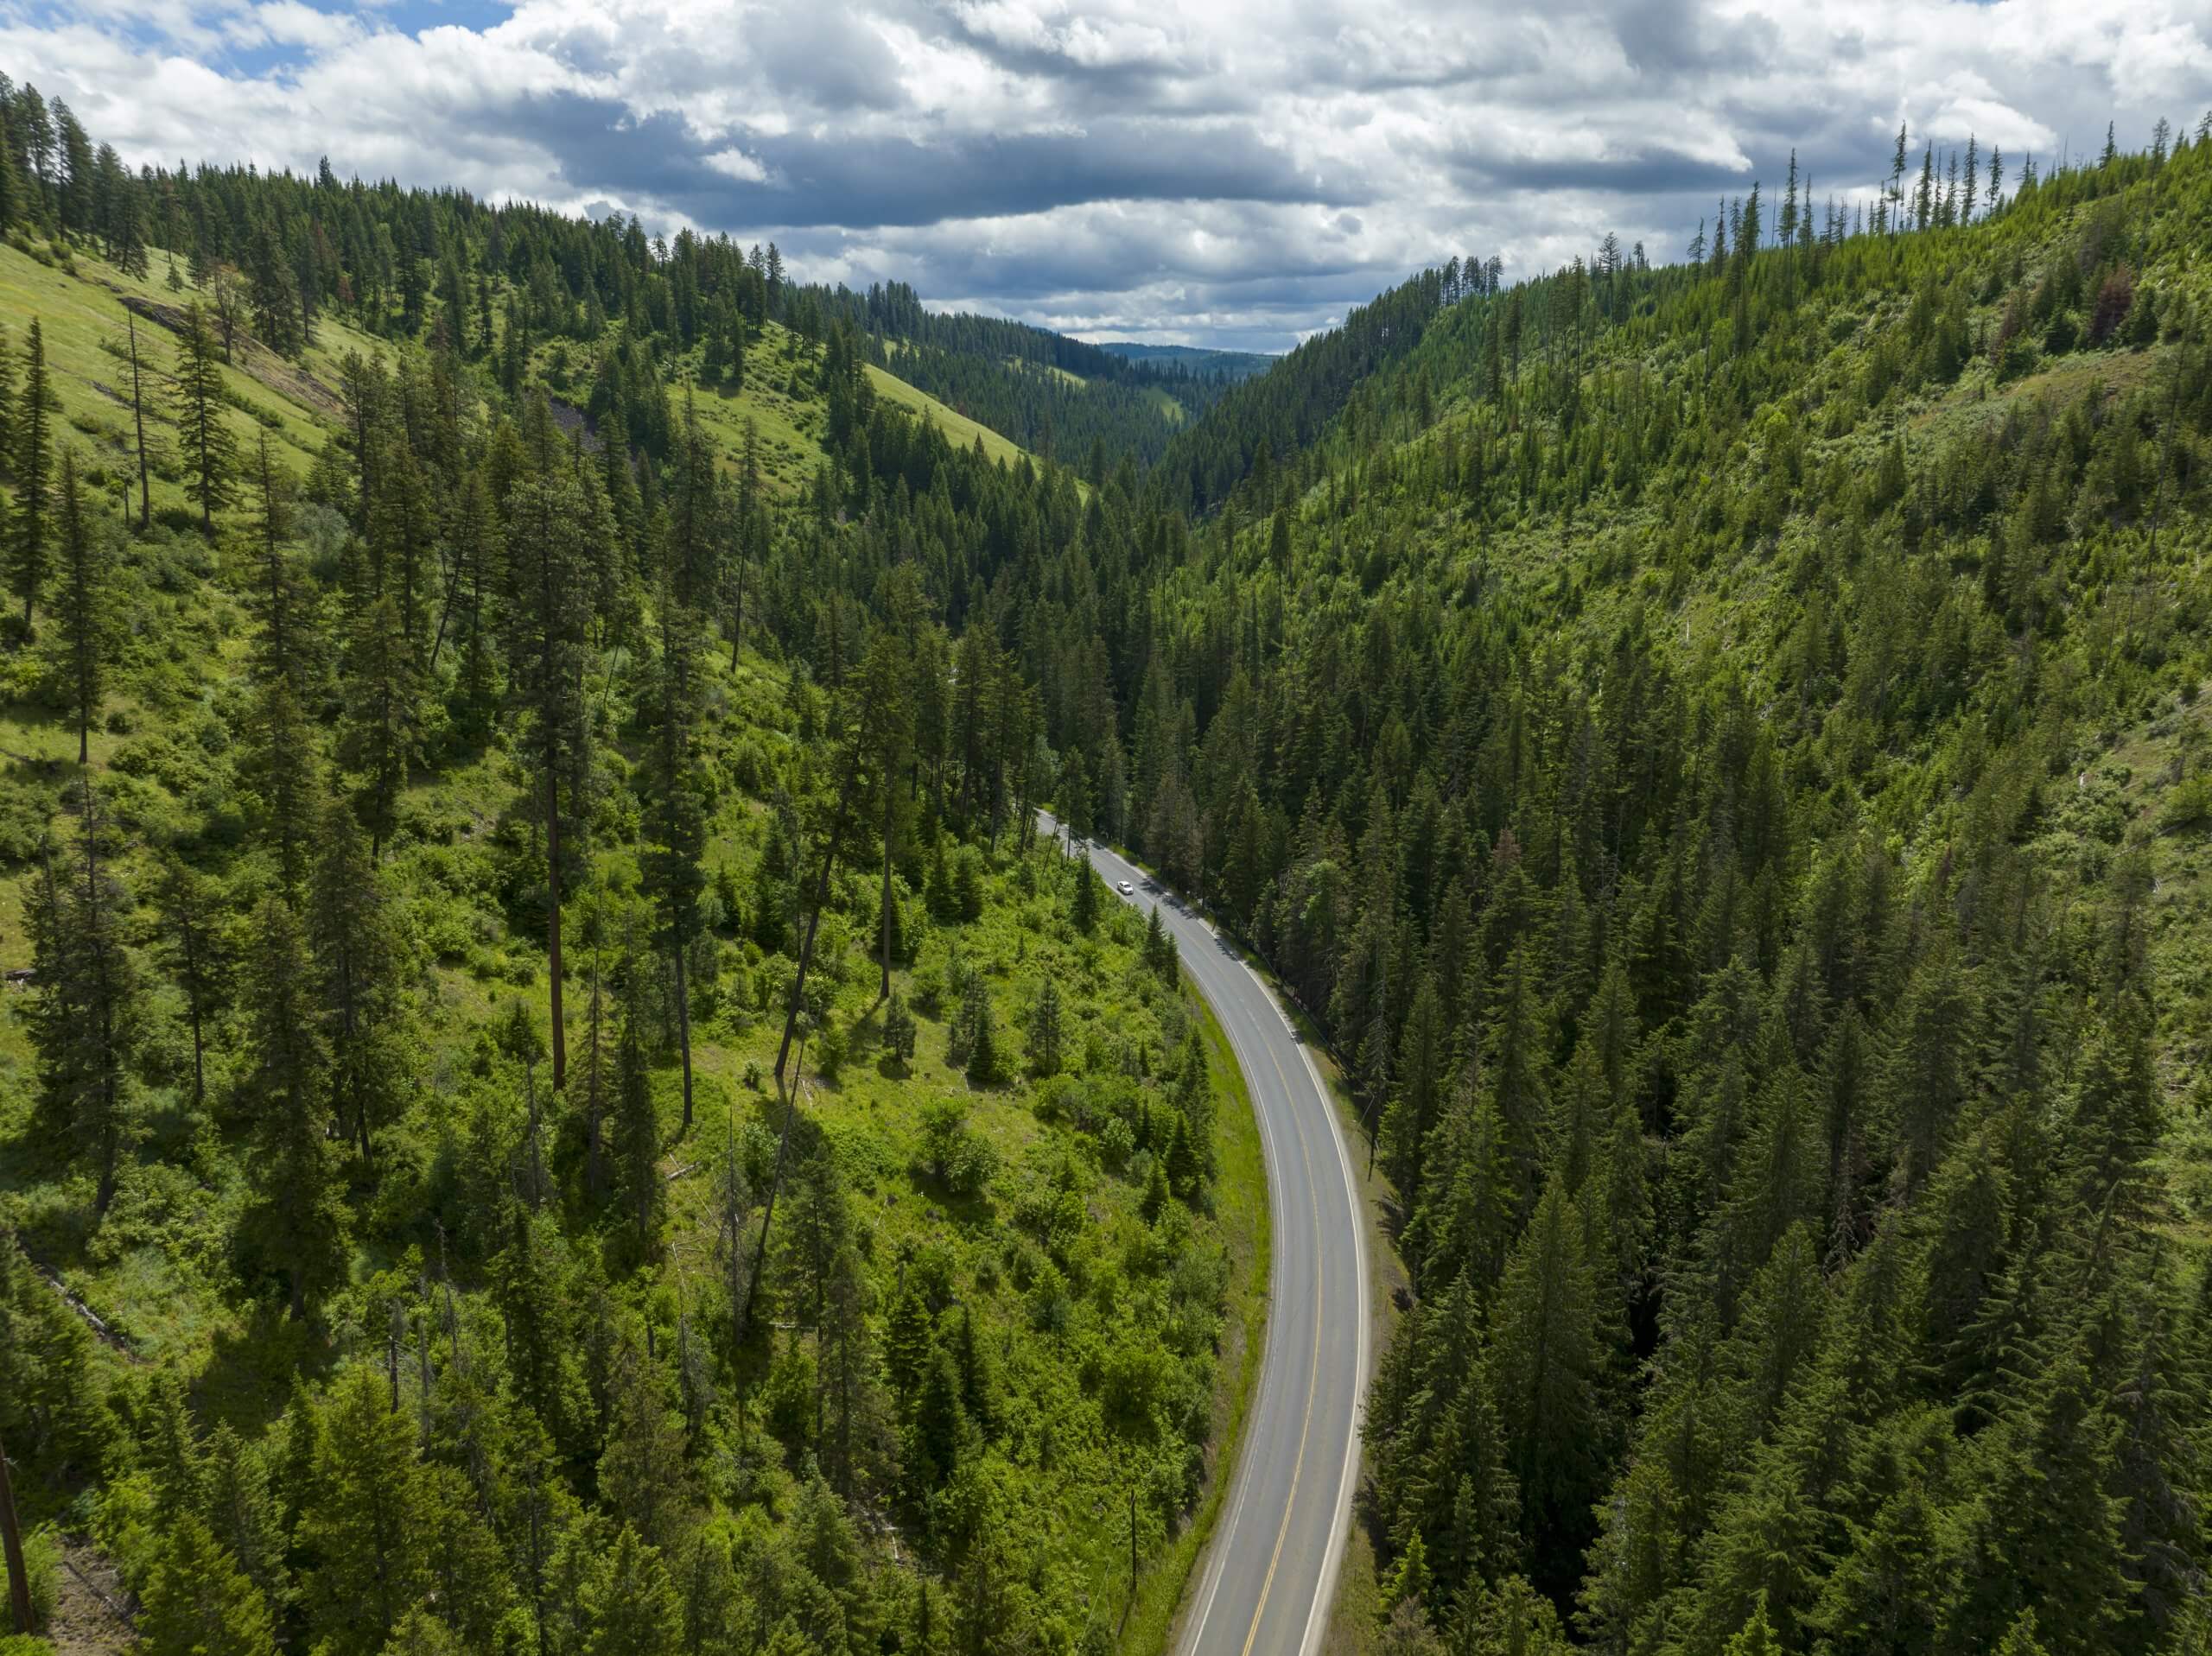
(1247,1465)
(1339,1530)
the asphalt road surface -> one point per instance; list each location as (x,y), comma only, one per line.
(1271,1573)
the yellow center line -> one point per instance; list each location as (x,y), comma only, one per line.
(1313,1380)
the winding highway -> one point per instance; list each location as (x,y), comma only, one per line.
(1270,1574)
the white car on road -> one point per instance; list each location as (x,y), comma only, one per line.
(1123,888)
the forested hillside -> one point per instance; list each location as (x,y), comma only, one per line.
(1287,409)
(1234,365)
(1721,748)
(1059,397)
(551,1097)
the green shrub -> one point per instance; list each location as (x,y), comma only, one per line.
(2016,361)
(42,1561)
(951,1153)
(25,812)
(2189,805)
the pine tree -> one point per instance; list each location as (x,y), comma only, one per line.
(74,197)
(1048,1032)
(2042,1532)
(198,954)
(126,218)
(198,395)
(2116,1117)
(908,1340)
(641,1472)
(1895,198)
(295,1224)
(633,1609)
(83,611)
(1931,1035)
(85,1020)
(1515,1053)
(1185,1168)
(884,674)
(554,538)
(380,740)
(1411,1113)
(242,1509)
(847,1404)
(1084,907)
(421,1633)
(939,1429)
(637,1121)
(272,294)
(29,530)
(676,819)
(531,1286)
(199,1603)
(1158,948)
(357,970)
(983,1065)
(898,1030)
(284,604)
(282,766)
(369,1521)
(13,196)
(1469,1212)
(1439,1459)
(9,430)
(472,535)
(1550,1360)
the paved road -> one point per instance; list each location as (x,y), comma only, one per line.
(1271,1574)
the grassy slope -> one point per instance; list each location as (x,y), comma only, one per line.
(956,427)
(780,401)
(79,303)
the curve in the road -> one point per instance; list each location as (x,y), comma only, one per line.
(1271,1572)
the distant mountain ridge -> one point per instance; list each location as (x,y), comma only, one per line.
(1230,364)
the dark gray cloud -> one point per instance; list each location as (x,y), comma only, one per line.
(1239,173)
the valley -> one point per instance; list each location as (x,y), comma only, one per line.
(704,961)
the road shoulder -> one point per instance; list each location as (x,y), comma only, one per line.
(1245,1215)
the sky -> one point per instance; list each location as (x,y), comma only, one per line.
(1233,173)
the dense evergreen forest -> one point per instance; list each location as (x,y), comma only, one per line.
(577,1114)
(1236,364)
(552,1098)
(1721,748)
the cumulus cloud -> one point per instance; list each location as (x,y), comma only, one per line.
(1240,172)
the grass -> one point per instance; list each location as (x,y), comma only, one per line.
(958,426)
(78,299)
